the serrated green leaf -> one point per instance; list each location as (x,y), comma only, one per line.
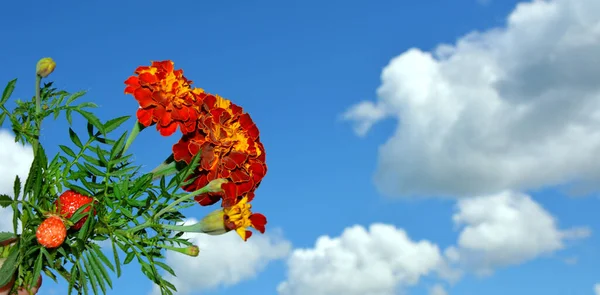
(115,123)
(91,275)
(74,138)
(83,282)
(101,273)
(5,200)
(118,147)
(165,267)
(8,90)
(94,161)
(17,186)
(69,116)
(9,267)
(87,105)
(74,96)
(50,274)
(126,212)
(67,150)
(116,256)
(37,269)
(90,129)
(93,170)
(129,257)
(148,271)
(92,119)
(103,258)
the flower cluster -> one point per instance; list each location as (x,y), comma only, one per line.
(220,131)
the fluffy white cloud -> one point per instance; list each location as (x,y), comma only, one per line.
(597,289)
(437,290)
(223,260)
(495,231)
(515,107)
(15,159)
(505,229)
(376,261)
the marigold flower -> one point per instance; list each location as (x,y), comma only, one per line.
(230,148)
(165,97)
(238,217)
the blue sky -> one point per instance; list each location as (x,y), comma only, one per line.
(308,72)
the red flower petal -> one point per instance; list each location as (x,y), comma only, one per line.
(258,221)
(144,117)
(144,97)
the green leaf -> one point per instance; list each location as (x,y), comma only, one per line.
(118,147)
(74,96)
(90,129)
(5,236)
(148,271)
(129,257)
(5,200)
(9,267)
(91,275)
(93,170)
(102,257)
(165,267)
(8,90)
(116,256)
(100,271)
(69,115)
(83,282)
(93,120)
(50,274)
(67,150)
(127,212)
(17,186)
(115,123)
(74,138)
(37,269)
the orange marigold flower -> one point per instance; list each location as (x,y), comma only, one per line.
(240,218)
(165,97)
(230,148)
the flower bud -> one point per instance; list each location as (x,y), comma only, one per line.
(192,251)
(215,185)
(45,67)
(213,223)
(189,251)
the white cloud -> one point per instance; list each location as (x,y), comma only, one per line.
(597,289)
(376,261)
(515,108)
(15,159)
(494,231)
(506,229)
(223,260)
(438,290)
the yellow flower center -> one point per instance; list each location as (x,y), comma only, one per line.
(239,215)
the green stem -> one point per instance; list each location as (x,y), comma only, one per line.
(205,189)
(191,228)
(146,224)
(168,167)
(38,110)
(137,128)
(189,196)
